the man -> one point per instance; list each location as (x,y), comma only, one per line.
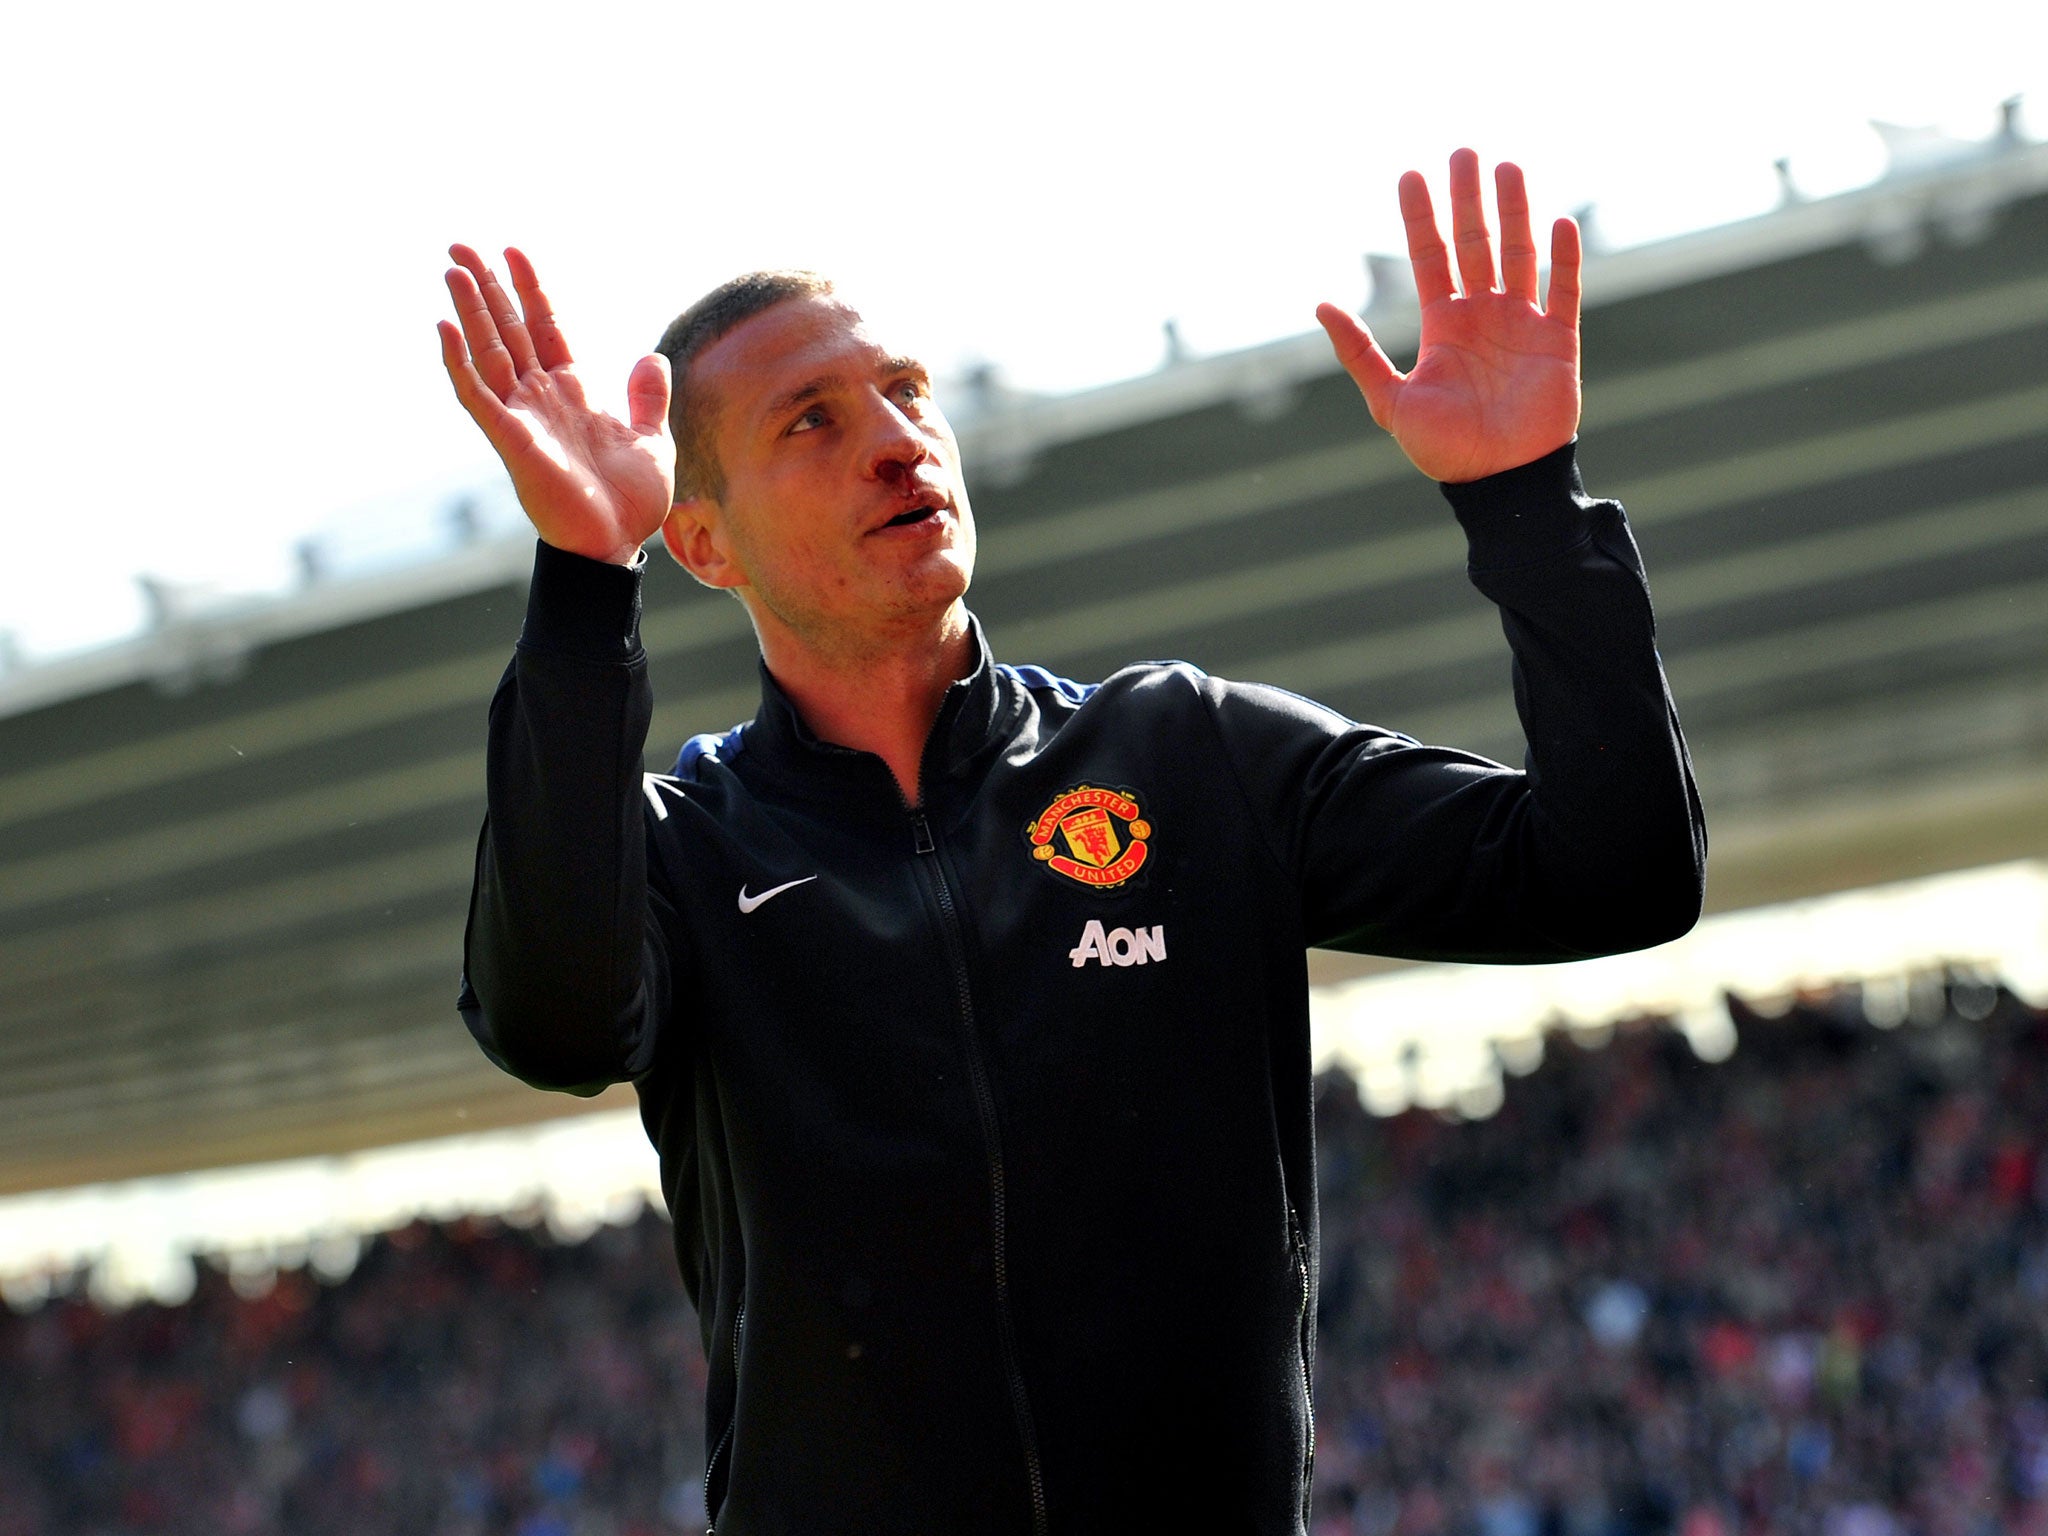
(966,1005)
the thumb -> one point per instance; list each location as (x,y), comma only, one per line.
(647,395)
(1361,357)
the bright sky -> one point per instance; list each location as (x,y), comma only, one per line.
(226,222)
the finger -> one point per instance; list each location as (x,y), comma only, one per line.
(511,328)
(492,362)
(1468,225)
(647,395)
(550,347)
(1426,253)
(455,358)
(477,397)
(1565,256)
(1517,243)
(1359,353)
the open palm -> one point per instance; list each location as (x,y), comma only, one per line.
(1496,377)
(590,483)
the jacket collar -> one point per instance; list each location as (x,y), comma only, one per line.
(971,725)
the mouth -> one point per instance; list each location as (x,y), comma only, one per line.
(913,516)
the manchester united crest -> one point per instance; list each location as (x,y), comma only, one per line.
(1098,837)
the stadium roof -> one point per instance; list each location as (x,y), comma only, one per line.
(234,853)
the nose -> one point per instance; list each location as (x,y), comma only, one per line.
(897,445)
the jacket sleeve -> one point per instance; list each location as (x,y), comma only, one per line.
(567,955)
(1597,846)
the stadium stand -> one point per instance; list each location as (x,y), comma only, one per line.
(234,852)
(1800,1290)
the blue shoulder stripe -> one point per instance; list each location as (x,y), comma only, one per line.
(1038,677)
(709,748)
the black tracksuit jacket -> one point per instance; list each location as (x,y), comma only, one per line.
(986,1124)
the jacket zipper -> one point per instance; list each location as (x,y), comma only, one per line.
(985,1102)
(725,1440)
(1299,1244)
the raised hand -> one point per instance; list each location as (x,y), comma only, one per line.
(592,484)
(1496,380)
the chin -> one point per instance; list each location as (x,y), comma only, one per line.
(932,590)
(950,567)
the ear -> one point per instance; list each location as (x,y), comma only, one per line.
(694,532)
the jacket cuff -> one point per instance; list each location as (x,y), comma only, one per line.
(1525,515)
(582,607)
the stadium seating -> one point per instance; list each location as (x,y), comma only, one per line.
(1799,1290)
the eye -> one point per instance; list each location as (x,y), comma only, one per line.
(910,391)
(814,417)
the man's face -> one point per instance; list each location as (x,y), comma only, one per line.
(843,512)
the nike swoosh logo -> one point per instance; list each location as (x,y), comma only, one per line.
(748,903)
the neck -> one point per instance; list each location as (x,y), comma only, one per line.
(879,697)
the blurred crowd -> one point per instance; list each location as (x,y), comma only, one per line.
(1801,1290)
(463,1381)
(1804,1290)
